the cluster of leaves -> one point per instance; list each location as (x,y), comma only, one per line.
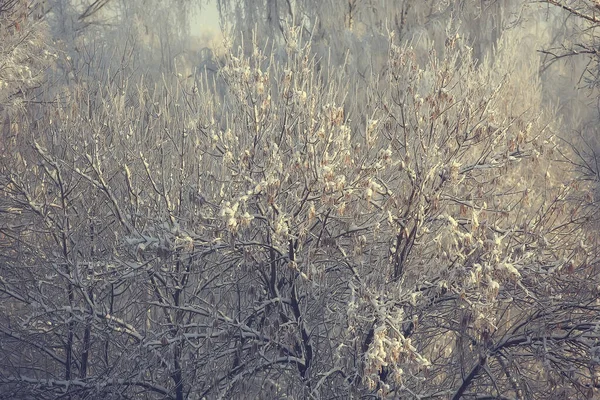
(264,234)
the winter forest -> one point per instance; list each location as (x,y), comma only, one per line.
(322,199)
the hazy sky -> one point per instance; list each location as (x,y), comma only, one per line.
(206,19)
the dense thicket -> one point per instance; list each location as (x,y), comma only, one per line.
(354,208)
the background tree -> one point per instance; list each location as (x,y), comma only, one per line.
(575,50)
(582,25)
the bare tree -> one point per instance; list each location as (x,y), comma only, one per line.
(581,26)
(265,235)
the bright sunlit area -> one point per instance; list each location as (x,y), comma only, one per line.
(205,19)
